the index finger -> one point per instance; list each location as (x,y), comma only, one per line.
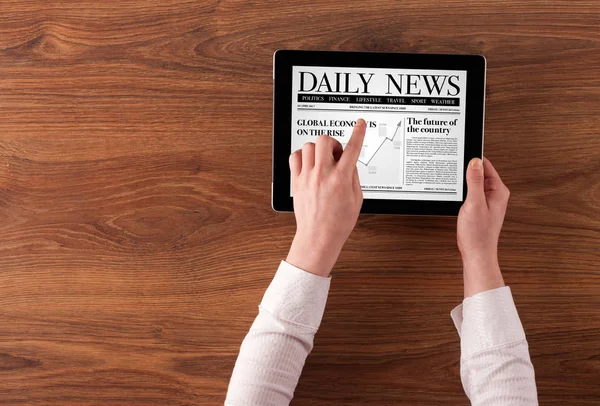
(352,152)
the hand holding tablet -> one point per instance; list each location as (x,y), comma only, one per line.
(478,228)
(424,122)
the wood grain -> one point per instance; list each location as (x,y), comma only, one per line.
(136,234)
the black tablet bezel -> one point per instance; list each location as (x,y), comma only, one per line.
(284,60)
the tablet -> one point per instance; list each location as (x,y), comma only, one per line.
(424,117)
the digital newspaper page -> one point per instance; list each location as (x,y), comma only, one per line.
(414,144)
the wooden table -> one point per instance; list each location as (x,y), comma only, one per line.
(136,233)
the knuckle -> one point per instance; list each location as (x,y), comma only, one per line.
(323,139)
(337,178)
(308,146)
(473,206)
(468,206)
(478,177)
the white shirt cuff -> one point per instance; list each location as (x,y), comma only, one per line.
(296,296)
(487,320)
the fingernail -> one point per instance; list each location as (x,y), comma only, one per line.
(361,122)
(476,164)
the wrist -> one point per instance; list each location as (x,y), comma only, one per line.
(479,263)
(481,273)
(312,255)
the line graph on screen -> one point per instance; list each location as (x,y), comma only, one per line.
(374,142)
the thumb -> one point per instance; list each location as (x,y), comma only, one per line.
(475,182)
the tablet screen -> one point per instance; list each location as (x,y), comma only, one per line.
(414,143)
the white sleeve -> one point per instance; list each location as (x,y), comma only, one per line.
(273,353)
(495,367)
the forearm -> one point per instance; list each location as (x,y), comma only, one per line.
(495,365)
(274,351)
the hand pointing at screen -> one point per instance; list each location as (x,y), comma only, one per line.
(327,200)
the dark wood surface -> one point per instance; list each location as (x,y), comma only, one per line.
(136,234)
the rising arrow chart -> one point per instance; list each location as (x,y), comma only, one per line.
(375,142)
